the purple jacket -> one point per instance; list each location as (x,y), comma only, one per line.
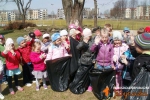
(105,53)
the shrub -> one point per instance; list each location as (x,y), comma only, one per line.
(18,25)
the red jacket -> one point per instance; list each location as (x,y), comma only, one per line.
(12,61)
(25,52)
(37,62)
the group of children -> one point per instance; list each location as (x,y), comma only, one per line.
(106,49)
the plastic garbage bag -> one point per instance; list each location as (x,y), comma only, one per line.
(140,87)
(75,56)
(102,82)
(58,73)
(81,80)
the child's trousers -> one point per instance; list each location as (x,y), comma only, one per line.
(27,73)
(10,80)
(118,80)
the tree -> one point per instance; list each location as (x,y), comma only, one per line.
(144,4)
(22,8)
(73,10)
(95,13)
(133,5)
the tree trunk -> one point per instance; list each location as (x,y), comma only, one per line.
(73,11)
(23,18)
(95,13)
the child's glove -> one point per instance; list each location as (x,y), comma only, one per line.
(97,40)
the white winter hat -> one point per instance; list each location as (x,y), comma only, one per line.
(117,35)
(72,32)
(9,41)
(63,32)
(87,32)
(46,35)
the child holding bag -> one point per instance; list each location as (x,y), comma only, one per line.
(12,64)
(39,68)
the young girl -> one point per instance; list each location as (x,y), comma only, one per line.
(56,49)
(46,41)
(12,64)
(119,49)
(64,39)
(1,77)
(37,58)
(105,51)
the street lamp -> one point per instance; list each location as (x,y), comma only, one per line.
(52,14)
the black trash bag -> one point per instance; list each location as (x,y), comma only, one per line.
(141,81)
(58,73)
(81,80)
(75,56)
(103,83)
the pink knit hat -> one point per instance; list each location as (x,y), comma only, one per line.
(37,33)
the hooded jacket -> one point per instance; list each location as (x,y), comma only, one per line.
(105,53)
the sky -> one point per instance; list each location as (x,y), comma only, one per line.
(37,4)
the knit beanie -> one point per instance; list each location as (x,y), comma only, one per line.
(55,36)
(46,35)
(37,33)
(87,32)
(9,41)
(32,35)
(143,41)
(117,35)
(63,32)
(72,32)
(147,29)
(20,39)
(126,29)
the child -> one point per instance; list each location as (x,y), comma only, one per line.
(64,39)
(119,49)
(56,50)
(12,64)
(1,77)
(96,31)
(46,41)
(105,51)
(27,67)
(140,30)
(87,56)
(37,58)
(2,42)
(37,33)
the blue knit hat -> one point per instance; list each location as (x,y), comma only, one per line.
(55,36)
(126,29)
(19,40)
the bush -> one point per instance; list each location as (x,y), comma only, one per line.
(18,25)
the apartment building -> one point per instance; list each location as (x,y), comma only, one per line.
(7,15)
(60,14)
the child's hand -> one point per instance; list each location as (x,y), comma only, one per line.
(115,58)
(124,60)
(97,40)
(43,55)
(12,51)
(113,67)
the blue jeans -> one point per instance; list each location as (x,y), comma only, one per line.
(103,67)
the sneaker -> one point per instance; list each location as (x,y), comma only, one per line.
(45,87)
(33,81)
(37,88)
(28,84)
(19,88)
(5,82)
(11,91)
(90,89)
(1,96)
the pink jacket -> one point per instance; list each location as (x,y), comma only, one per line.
(56,52)
(118,51)
(37,62)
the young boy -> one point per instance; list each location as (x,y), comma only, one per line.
(142,46)
(25,50)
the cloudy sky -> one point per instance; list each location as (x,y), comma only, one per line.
(36,4)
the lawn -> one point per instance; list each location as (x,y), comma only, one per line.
(30,93)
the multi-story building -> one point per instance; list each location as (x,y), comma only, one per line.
(60,14)
(129,12)
(89,12)
(35,14)
(6,15)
